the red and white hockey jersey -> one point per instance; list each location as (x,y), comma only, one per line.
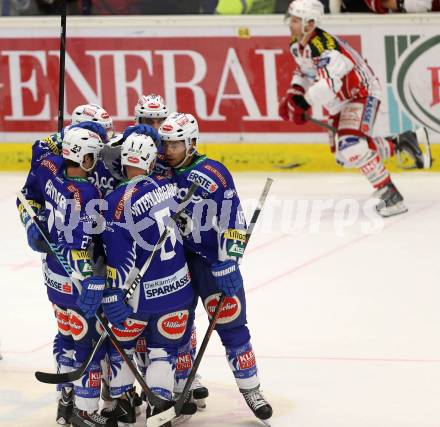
(332,72)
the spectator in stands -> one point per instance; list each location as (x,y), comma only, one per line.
(142,7)
(281,5)
(385,6)
(101,7)
(252,7)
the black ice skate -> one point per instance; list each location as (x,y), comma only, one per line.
(190,406)
(413,149)
(108,400)
(84,419)
(65,407)
(123,409)
(258,404)
(137,399)
(391,201)
(199,393)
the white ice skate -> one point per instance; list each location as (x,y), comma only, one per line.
(391,201)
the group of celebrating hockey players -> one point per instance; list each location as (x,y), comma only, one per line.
(106,199)
(80,178)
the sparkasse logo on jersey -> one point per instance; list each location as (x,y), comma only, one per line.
(203,180)
(416,81)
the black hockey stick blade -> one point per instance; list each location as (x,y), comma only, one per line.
(68,377)
(291,165)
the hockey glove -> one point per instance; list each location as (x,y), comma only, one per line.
(34,237)
(115,309)
(293,106)
(227,276)
(91,295)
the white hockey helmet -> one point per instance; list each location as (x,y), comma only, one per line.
(139,151)
(78,142)
(93,113)
(180,127)
(307,10)
(150,106)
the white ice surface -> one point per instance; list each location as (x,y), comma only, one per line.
(345,325)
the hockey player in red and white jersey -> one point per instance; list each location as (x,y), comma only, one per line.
(331,74)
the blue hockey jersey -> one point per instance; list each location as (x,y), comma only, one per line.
(137,213)
(70,208)
(52,144)
(214,224)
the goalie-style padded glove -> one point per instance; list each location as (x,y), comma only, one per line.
(227,277)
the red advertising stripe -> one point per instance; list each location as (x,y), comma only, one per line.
(231,84)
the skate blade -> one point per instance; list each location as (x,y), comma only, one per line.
(181,419)
(265,422)
(397,209)
(62,422)
(425,146)
(201,404)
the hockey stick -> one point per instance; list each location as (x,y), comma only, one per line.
(317,122)
(74,375)
(320,123)
(62,66)
(54,249)
(166,416)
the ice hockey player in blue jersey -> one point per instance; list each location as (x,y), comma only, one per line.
(150,111)
(42,149)
(68,202)
(91,117)
(213,228)
(138,211)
